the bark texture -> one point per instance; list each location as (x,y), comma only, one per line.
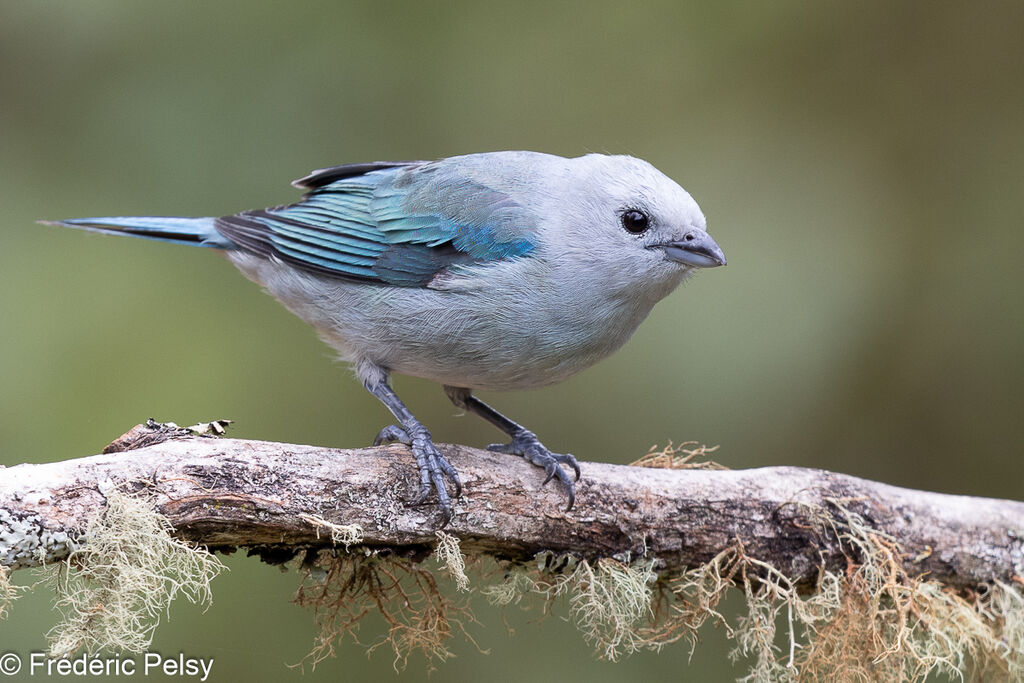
(230,493)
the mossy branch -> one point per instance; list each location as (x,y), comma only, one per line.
(280,498)
(839,575)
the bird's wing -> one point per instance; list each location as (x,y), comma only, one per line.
(397,223)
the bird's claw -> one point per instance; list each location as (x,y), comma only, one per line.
(392,433)
(527,445)
(433,467)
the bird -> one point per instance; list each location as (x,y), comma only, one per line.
(495,271)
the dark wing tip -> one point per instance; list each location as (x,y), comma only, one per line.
(326,176)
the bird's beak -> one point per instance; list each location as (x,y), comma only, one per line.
(695,249)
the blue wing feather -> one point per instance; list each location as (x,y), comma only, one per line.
(394,224)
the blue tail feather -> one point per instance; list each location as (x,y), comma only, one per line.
(200,232)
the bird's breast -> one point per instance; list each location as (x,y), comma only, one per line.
(514,334)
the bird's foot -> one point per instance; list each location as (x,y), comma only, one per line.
(526,444)
(432,465)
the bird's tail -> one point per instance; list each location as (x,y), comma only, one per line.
(200,232)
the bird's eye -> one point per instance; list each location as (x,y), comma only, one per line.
(635,221)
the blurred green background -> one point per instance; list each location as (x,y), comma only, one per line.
(860,163)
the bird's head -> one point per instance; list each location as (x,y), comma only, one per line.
(632,224)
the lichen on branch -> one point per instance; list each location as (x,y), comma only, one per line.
(837,573)
(122,576)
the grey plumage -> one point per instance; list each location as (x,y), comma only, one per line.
(506,270)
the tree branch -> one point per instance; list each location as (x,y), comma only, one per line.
(227,493)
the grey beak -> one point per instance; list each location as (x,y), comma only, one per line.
(695,249)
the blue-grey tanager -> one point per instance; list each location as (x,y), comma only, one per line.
(504,270)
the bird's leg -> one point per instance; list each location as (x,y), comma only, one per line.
(432,465)
(524,442)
